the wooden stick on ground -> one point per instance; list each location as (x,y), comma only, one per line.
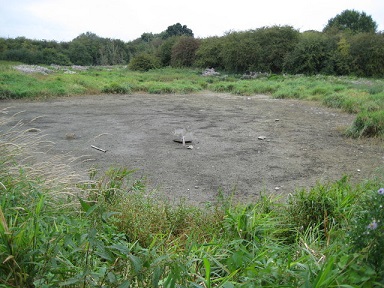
(97,148)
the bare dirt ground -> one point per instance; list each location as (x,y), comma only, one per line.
(303,141)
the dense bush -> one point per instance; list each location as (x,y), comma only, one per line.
(367,53)
(310,55)
(276,43)
(208,55)
(144,62)
(240,52)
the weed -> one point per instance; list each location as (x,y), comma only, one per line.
(368,124)
(323,206)
(366,232)
(115,88)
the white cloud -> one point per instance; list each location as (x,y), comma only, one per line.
(63,20)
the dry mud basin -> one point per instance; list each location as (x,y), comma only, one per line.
(303,141)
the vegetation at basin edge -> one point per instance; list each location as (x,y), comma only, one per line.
(111,231)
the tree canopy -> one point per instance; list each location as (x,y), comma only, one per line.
(353,21)
(177,30)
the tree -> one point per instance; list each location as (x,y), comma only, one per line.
(78,54)
(165,51)
(112,52)
(341,56)
(351,21)
(184,52)
(91,43)
(147,37)
(177,30)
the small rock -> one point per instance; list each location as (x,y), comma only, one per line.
(190,147)
(358,170)
(33,130)
(277,120)
(70,136)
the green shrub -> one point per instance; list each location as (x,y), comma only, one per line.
(368,124)
(208,53)
(116,88)
(144,62)
(310,55)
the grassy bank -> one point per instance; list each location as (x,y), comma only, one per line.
(363,97)
(110,231)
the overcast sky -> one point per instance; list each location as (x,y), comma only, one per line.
(63,20)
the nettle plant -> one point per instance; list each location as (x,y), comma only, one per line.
(367,233)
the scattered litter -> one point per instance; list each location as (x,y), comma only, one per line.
(254,75)
(190,147)
(277,188)
(33,69)
(261,137)
(210,72)
(97,148)
(277,120)
(358,170)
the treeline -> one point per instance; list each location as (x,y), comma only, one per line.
(348,45)
(86,49)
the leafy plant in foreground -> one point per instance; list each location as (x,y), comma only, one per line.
(323,206)
(367,229)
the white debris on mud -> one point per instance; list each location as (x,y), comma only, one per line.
(210,72)
(53,68)
(33,69)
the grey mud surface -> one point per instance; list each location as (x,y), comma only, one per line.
(303,141)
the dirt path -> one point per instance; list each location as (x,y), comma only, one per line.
(303,143)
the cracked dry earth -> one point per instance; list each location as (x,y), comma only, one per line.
(302,144)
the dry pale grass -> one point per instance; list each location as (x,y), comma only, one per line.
(24,151)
